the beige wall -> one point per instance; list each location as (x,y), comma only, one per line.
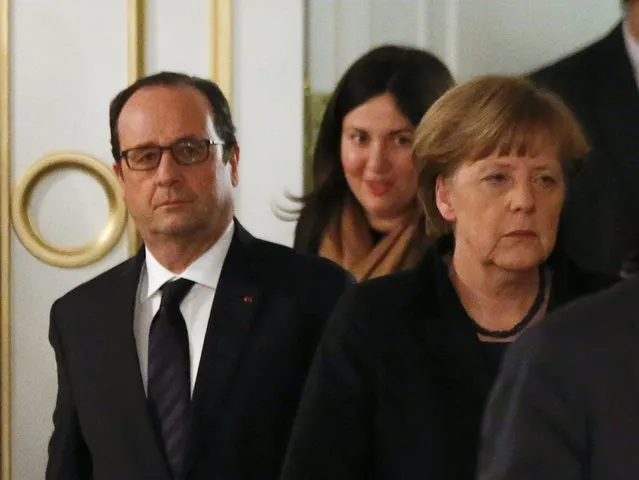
(472,36)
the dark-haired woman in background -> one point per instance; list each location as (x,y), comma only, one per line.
(398,385)
(362,212)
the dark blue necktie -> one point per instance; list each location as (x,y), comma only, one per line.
(169,379)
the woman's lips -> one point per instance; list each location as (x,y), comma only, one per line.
(521,233)
(378,188)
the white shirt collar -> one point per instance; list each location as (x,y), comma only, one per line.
(632,47)
(206,270)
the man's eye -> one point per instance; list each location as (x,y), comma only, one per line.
(189,149)
(144,156)
(186,149)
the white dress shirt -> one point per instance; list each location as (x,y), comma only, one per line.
(195,308)
(632,47)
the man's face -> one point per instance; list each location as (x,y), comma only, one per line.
(184,202)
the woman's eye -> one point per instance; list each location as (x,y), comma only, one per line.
(404,140)
(495,178)
(359,137)
(547,181)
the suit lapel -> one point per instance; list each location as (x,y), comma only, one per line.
(126,379)
(236,301)
(615,105)
(616,97)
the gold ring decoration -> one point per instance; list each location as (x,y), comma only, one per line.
(68,257)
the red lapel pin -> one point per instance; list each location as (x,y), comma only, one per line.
(248,299)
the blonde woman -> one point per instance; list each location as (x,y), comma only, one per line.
(399,383)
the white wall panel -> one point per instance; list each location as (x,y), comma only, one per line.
(353,32)
(69,58)
(178,36)
(320,45)
(394,22)
(515,36)
(472,36)
(268,107)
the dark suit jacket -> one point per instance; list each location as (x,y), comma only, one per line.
(398,386)
(599,226)
(269,310)
(566,405)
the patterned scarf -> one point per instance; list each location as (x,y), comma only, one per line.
(349,242)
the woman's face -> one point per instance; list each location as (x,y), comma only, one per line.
(505,209)
(376,151)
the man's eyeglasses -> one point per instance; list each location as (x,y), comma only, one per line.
(184,152)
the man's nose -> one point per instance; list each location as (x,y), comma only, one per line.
(167,168)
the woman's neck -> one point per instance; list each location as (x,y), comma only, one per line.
(632,19)
(386,224)
(495,298)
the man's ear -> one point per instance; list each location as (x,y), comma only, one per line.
(444,199)
(117,169)
(233,161)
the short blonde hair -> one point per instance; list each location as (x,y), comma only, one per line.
(492,114)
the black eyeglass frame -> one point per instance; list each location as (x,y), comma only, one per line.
(164,148)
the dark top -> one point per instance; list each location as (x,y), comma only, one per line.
(493,353)
(566,403)
(397,388)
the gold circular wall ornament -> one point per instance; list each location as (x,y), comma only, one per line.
(68,257)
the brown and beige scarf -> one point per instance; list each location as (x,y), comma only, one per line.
(349,242)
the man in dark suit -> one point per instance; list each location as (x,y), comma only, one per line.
(199,377)
(566,403)
(599,83)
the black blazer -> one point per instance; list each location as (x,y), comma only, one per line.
(269,310)
(599,225)
(398,386)
(566,404)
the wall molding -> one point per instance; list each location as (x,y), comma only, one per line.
(5,240)
(221,30)
(136,68)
